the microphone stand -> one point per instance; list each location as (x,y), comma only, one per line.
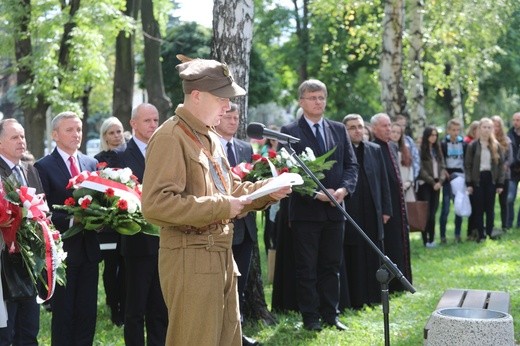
(388,269)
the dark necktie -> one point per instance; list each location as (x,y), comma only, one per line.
(74,170)
(231,155)
(18,175)
(319,138)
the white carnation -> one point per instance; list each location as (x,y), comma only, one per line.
(132,207)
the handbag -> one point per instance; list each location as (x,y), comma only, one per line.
(16,279)
(417,213)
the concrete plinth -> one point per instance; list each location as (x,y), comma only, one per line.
(471,327)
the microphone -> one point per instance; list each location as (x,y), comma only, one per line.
(259,131)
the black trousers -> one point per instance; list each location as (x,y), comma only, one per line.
(74,307)
(23,323)
(318,252)
(427,193)
(484,203)
(242,254)
(144,302)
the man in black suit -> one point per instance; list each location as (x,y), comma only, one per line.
(397,241)
(144,299)
(317,225)
(23,315)
(74,307)
(244,226)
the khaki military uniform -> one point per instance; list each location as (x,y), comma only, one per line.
(183,194)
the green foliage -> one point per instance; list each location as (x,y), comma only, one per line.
(190,39)
(462,36)
(95,27)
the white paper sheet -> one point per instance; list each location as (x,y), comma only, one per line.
(284,179)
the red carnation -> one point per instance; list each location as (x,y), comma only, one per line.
(101,165)
(85,203)
(122,204)
(109,192)
(70,202)
(256,157)
(271,153)
(284,170)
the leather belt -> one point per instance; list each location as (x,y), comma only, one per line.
(202,230)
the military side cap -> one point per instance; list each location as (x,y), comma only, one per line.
(208,75)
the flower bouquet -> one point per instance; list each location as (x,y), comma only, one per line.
(27,231)
(109,198)
(278,163)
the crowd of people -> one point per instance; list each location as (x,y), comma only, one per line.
(161,290)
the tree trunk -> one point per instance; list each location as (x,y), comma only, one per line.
(122,97)
(417,112)
(86,113)
(153,77)
(392,90)
(255,308)
(302,32)
(34,114)
(232,42)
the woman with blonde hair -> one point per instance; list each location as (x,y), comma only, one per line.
(112,141)
(483,165)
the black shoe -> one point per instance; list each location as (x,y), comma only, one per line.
(116,316)
(337,324)
(314,326)
(249,341)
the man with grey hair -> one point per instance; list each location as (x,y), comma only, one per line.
(396,241)
(74,306)
(23,315)
(144,306)
(318,226)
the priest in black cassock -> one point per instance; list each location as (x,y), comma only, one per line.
(370,207)
(396,238)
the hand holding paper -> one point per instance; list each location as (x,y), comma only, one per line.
(283,180)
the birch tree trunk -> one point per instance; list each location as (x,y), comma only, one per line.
(153,77)
(232,43)
(417,112)
(392,90)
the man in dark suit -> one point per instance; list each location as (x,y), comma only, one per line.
(397,241)
(317,225)
(370,206)
(23,315)
(74,307)
(144,299)
(244,226)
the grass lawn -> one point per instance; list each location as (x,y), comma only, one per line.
(492,265)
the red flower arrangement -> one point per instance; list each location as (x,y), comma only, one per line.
(26,228)
(106,198)
(277,163)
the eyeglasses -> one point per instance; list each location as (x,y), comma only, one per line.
(315,98)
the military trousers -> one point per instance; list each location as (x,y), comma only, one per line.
(199,283)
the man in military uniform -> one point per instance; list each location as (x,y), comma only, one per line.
(189,190)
